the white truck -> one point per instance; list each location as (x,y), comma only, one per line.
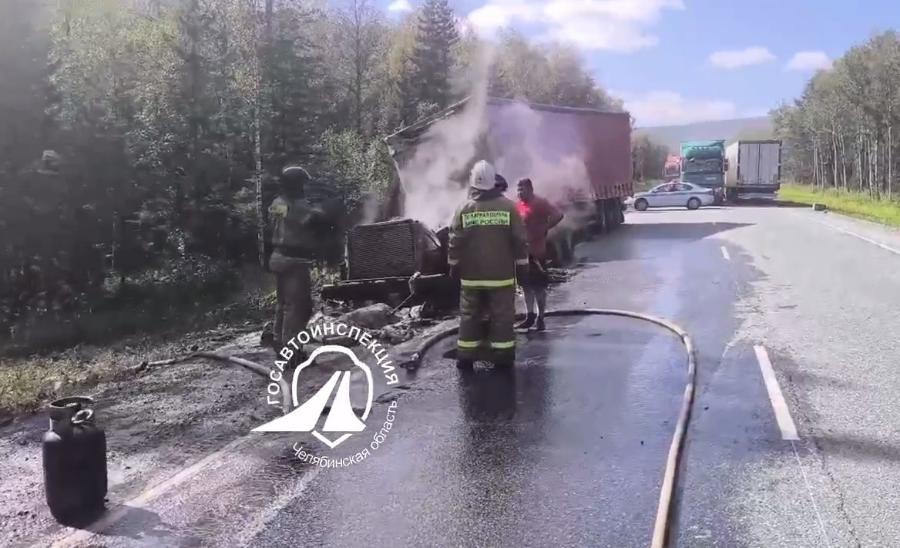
(753,167)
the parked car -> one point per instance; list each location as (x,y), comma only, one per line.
(674,194)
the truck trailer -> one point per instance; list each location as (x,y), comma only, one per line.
(577,157)
(754,167)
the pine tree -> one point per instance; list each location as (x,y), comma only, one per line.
(432,57)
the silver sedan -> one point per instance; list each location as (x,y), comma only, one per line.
(676,194)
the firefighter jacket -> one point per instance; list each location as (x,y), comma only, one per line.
(487,241)
(293,226)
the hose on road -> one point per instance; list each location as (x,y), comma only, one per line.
(665,508)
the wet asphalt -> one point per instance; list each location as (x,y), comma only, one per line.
(568,449)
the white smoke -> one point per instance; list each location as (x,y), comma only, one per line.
(547,147)
(544,148)
(434,180)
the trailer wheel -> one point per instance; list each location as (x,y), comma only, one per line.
(611,216)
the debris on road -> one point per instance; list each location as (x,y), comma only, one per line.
(375,316)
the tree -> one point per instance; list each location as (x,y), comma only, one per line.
(359,45)
(433,53)
(551,74)
(649,158)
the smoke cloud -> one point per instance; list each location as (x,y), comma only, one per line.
(435,179)
(547,147)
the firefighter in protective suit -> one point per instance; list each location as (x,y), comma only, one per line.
(292,227)
(488,250)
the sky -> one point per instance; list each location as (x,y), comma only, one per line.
(682,61)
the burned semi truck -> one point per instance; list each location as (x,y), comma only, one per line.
(579,159)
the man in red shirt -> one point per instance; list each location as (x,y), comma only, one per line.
(539,216)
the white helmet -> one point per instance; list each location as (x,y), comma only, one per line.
(482,176)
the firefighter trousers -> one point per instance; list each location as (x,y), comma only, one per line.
(486,323)
(293,307)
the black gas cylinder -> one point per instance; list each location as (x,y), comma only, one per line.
(74,461)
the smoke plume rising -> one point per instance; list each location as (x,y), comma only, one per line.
(435,179)
(548,147)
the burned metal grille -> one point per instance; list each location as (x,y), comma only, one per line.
(382,250)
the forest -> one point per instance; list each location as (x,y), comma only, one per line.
(139,139)
(842,132)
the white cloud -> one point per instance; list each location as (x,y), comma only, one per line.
(669,108)
(732,59)
(809,61)
(612,25)
(400,6)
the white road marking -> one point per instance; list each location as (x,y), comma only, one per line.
(885,247)
(782,413)
(725,253)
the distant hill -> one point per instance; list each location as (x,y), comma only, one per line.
(730,130)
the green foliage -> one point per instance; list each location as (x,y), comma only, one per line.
(842,132)
(649,158)
(850,203)
(171,120)
(552,74)
(433,54)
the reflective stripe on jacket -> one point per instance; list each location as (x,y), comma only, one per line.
(487,240)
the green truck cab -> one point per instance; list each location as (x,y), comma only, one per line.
(703,163)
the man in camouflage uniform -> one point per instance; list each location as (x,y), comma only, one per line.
(488,250)
(292,223)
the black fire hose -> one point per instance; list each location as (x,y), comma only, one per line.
(665,506)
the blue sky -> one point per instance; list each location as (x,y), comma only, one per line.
(679,61)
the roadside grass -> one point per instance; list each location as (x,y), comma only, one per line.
(849,203)
(29,381)
(26,383)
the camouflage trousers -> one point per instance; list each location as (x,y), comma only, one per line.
(293,307)
(486,330)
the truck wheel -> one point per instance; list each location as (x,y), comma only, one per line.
(731,195)
(640,204)
(612,213)
(693,203)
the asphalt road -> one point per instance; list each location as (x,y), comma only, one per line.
(568,450)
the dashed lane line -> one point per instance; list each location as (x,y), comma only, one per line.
(779,405)
(725,253)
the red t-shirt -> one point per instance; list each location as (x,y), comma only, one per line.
(537,215)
